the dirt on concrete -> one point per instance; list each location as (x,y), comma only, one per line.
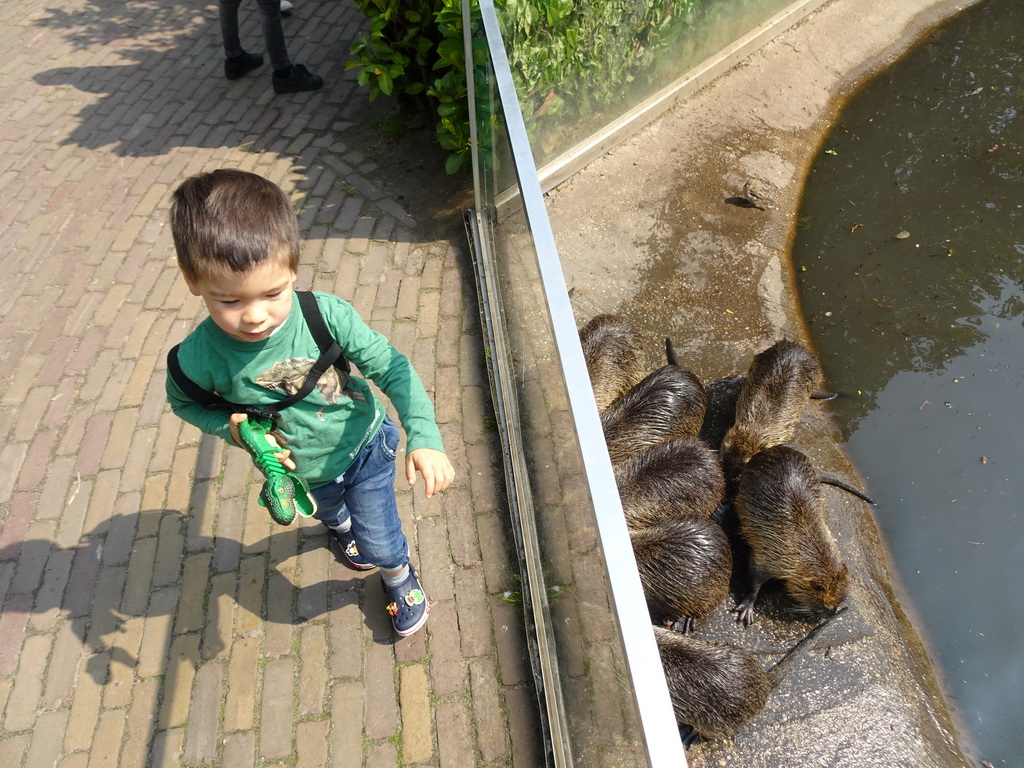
(657,230)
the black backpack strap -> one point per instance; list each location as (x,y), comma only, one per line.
(211,400)
(330,354)
(323,338)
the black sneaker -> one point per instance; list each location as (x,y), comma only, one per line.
(299,79)
(347,544)
(409,606)
(237,66)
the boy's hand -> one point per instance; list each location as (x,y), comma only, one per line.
(284,456)
(437,471)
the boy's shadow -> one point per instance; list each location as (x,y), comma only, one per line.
(82,583)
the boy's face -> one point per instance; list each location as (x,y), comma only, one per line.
(248,306)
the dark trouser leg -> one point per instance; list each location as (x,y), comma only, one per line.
(228,12)
(273,33)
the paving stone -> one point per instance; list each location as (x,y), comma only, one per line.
(46,611)
(167,748)
(435,560)
(382,707)
(241,693)
(455,741)
(35,464)
(85,705)
(446,670)
(124,651)
(313,671)
(513,657)
(474,616)
(44,749)
(311,744)
(182,662)
(276,711)
(24,700)
(157,632)
(103,620)
(417,730)
(202,729)
(106,745)
(13,748)
(62,671)
(240,750)
(218,623)
(35,551)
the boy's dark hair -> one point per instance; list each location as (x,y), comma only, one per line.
(229,221)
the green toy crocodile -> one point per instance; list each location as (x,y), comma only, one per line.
(285,493)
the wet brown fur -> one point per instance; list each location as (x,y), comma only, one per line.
(782,519)
(778,384)
(680,477)
(716,688)
(668,403)
(685,564)
(611,348)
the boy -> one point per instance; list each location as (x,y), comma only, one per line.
(237,241)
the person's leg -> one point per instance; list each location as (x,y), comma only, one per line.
(370,497)
(332,512)
(288,77)
(227,10)
(236,61)
(273,34)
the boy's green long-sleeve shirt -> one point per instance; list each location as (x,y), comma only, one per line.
(326,430)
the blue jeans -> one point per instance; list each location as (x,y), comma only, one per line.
(273,32)
(366,493)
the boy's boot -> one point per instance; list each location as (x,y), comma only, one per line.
(347,544)
(409,606)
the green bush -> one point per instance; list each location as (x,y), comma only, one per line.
(561,53)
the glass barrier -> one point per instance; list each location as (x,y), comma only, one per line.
(580,67)
(604,694)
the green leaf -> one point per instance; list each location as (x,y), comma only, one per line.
(454,163)
(449,110)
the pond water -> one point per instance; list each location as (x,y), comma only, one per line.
(910,253)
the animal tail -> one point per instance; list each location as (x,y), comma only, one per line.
(845,486)
(788,655)
(670,353)
(823,394)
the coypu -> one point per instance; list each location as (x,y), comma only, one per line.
(779,382)
(684,564)
(716,688)
(781,517)
(611,348)
(668,403)
(680,477)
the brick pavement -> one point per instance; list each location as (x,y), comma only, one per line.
(151,612)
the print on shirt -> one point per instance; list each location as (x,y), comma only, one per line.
(290,375)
